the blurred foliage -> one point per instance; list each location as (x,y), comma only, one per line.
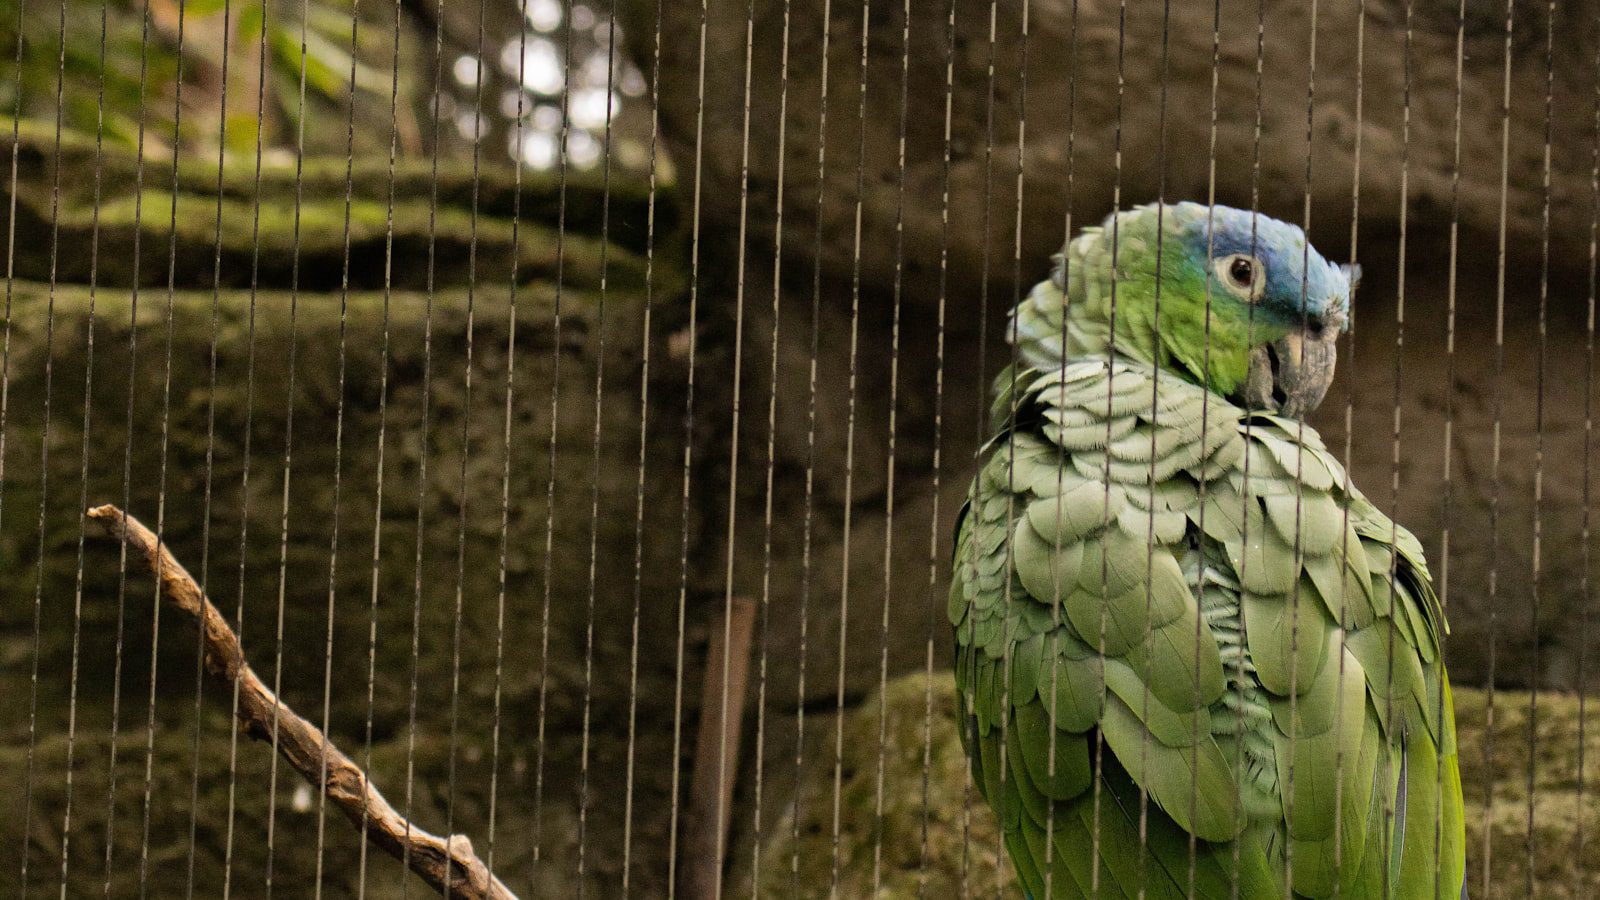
(119,70)
(334,76)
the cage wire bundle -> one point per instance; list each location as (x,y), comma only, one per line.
(548,432)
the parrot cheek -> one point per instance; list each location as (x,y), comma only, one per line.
(1292,374)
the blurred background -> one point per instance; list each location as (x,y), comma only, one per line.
(302,282)
(527,60)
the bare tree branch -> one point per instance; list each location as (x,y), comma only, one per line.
(449,865)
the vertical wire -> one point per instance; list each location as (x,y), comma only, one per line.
(772,459)
(127,462)
(594,485)
(127,450)
(1534,596)
(424,432)
(244,478)
(1155,387)
(1011,414)
(981,406)
(893,433)
(1098,768)
(338,451)
(644,434)
(1447,483)
(11,263)
(161,485)
(550,483)
(850,440)
(1055,598)
(1349,420)
(1494,460)
(1245,430)
(688,456)
(288,448)
(466,432)
(508,412)
(1299,494)
(809,503)
(733,448)
(935,535)
(1205,421)
(211,435)
(83,463)
(1585,587)
(11,259)
(44,455)
(382,446)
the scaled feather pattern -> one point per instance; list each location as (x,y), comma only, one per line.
(1193,660)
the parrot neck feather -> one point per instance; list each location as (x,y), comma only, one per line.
(1082,311)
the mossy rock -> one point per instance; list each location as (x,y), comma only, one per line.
(962,845)
(435,619)
(98,215)
(309,842)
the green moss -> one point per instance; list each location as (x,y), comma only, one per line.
(1496,779)
(316,234)
(56,204)
(959,855)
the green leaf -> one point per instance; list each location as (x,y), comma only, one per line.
(201,9)
(250,20)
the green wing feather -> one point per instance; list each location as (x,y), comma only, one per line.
(1147,574)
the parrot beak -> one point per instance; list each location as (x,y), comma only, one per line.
(1291,375)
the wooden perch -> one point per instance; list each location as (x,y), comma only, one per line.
(716,751)
(449,865)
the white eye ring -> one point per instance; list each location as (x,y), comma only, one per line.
(1244,275)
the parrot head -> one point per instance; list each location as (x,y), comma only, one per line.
(1276,306)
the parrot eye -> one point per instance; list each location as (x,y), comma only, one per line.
(1242,273)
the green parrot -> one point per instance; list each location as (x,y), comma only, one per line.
(1192,659)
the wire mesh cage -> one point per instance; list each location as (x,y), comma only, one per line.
(706,448)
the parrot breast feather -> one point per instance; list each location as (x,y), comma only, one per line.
(1142,563)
